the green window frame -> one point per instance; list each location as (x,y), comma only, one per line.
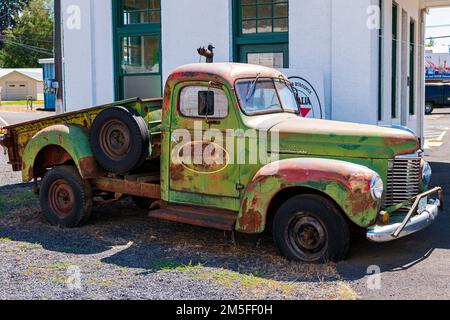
(412,68)
(132,29)
(260,27)
(394,60)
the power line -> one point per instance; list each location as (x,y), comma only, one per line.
(28,47)
(440,37)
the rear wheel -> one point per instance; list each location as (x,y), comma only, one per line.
(309,228)
(66,199)
(429,107)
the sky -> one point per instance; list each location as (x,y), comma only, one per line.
(439,17)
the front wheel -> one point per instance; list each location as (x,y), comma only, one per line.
(309,228)
(66,199)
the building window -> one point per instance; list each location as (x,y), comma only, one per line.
(394,60)
(261,32)
(412,67)
(141,11)
(137,48)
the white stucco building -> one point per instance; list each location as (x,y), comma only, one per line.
(114,49)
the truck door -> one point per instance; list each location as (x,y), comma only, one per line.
(201,156)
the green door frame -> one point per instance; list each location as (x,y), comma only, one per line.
(119,31)
(239,39)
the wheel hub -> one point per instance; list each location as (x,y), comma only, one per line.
(61,198)
(307,235)
(115,139)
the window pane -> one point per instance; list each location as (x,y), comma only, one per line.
(268,15)
(281,10)
(264,11)
(140,54)
(248,12)
(281,25)
(265,26)
(271,59)
(141,11)
(189,102)
(142,86)
(249,27)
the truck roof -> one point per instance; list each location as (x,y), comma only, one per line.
(227,71)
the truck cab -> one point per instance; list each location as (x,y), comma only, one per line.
(227,148)
(437,96)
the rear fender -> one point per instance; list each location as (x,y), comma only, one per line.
(56,145)
(347,184)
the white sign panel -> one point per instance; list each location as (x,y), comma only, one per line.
(310,86)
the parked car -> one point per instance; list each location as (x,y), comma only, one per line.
(322,178)
(437,96)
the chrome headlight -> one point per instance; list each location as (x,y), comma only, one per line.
(426,173)
(376,188)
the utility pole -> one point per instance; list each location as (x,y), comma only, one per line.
(58,57)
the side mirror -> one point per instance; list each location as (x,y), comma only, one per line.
(206,103)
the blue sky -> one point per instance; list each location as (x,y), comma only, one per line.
(438,17)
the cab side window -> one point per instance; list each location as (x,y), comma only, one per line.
(203,102)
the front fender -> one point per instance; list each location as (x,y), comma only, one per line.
(346,183)
(74,142)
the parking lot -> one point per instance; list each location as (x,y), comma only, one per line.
(124,254)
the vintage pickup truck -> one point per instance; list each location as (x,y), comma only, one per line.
(313,182)
(437,96)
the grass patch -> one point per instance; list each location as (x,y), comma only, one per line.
(246,282)
(20,103)
(59,266)
(16,200)
(6,240)
(162,265)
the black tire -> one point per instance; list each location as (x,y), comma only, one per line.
(309,228)
(429,108)
(120,140)
(142,203)
(66,199)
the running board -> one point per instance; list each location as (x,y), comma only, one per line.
(198,216)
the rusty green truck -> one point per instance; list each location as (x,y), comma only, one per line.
(227,149)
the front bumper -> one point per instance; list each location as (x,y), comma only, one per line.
(411,224)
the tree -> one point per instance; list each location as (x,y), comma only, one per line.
(31,37)
(8,12)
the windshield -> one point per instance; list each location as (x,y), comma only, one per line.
(260,96)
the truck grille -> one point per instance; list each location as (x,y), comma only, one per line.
(403,180)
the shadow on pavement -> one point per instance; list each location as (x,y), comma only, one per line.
(125,237)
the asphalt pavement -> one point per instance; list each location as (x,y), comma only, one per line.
(416,267)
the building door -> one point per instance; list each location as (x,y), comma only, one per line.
(138,49)
(17,90)
(261,32)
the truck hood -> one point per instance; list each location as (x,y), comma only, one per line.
(337,139)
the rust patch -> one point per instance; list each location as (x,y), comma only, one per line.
(89,168)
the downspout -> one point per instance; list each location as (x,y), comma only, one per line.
(58,57)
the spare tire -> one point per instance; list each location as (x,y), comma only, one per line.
(119,139)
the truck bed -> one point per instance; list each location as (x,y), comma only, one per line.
(17,136)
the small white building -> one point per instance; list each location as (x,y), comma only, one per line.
(18,84)
(114,49)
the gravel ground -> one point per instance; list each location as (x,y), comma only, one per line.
(123,254)
(7,176)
